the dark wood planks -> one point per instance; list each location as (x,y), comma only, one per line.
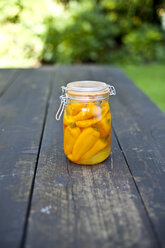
(140,129)
(22,113)
(7,77)
(83,206)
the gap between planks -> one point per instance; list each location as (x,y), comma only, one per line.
(11,81)
(104,76)
(23,239)
(145,209)
(127,166)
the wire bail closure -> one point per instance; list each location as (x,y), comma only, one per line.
(62,106)
(64,99)
(112,90)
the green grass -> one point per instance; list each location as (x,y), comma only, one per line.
(150,79)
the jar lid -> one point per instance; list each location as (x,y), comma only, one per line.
(88,88)
(84,91)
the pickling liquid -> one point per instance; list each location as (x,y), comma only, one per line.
(87,132)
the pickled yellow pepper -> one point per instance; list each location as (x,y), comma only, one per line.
(75,108)
(86,113)
(97,117)
(104,125)
(105,108)
(98,157)
(98,146)
(87,132)
(85,141)
(68,119)
(70,136)
(88,123)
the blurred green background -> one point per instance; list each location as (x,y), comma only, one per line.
(130,34)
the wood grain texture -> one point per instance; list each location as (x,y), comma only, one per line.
(77,206)
(22,112)
(140,129)
(7,77)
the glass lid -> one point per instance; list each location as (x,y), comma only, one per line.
(87,86)
(84,91)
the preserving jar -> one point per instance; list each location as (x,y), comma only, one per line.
(86,121)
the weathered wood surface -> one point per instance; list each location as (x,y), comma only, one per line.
(140,129)
(22,112)
(7,77)
(84,206)
(46,201)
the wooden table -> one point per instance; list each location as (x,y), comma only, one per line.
(47,201)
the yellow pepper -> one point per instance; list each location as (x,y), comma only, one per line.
(85,141)
(70,156)
(70,136)
(68,119)
(86,113)
(88,123)
(109,139)
(98,157)
(93,121)
(104,125)
(64,127)
(105,108)
(98,146)
(74,108)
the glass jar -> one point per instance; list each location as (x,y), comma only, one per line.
(86,121)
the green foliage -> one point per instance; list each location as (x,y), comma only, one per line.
(21,32)
(145,44)
(77,31)
(87,39)
(107,32)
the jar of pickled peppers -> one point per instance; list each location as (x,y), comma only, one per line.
(86,121)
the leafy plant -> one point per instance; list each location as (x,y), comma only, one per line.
(77,31)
